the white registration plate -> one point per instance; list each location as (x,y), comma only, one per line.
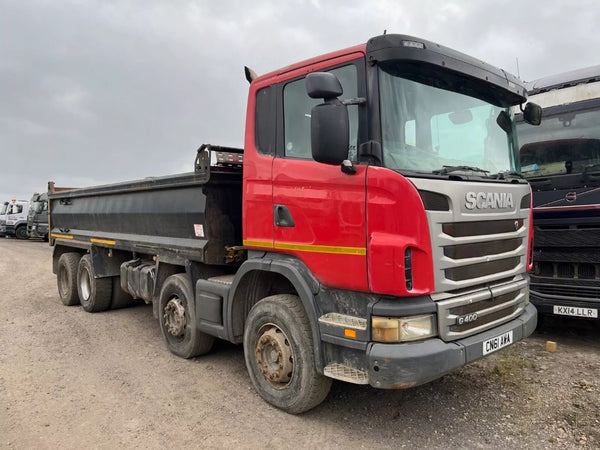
(591,313)
(498,342)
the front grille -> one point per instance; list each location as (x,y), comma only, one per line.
(486,308)
(482,269)
(567,291)
(482,228)
(572,237)
(483,249)
(583,271)
(477,252)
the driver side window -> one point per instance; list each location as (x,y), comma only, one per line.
(297,106)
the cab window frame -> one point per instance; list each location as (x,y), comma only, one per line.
(361,110)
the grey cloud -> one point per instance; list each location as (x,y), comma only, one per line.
(104,91)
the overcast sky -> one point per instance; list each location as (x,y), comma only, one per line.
(95,92)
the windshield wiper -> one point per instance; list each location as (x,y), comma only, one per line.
(449,169)
(506,174)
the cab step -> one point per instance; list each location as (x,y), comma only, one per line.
(346,373)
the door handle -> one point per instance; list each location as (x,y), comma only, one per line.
(283,216)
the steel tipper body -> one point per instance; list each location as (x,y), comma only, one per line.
(385,234)
(561,160)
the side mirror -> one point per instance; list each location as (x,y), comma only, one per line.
(532,114)
(329,123)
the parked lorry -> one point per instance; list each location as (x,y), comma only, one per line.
(14,222)
(372,230)
(3,213)
(37,219)
(561,160)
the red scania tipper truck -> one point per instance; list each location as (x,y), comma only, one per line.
(374,229)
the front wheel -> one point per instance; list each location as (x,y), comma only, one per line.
(21,232)
(279,353)
(177,317)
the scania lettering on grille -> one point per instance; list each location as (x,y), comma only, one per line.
(488,200)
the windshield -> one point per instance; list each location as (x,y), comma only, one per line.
(425,128)
(566,142)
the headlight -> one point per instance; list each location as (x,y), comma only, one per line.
(403,329)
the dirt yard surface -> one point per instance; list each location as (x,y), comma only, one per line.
(70,379)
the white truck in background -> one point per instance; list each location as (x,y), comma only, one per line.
(14,220)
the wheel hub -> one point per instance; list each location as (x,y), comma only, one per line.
(85,285)
(274,356)
(175,317)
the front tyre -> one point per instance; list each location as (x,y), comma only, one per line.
(279,353)
(21,232)
(94,293)
(177,317)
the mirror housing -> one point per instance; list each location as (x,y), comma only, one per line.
(532,114)
(329,123)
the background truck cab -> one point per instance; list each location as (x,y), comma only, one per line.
(16,219)
(561,161)
(37,218)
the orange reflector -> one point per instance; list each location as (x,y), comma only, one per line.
(350,333)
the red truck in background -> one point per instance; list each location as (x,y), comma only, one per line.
(374,229)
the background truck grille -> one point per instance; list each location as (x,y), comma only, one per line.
(569,291)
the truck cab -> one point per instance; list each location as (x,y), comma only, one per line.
(37,218)
(15,220)
(561,161)
(3,211)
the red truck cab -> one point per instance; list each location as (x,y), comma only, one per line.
(418,236)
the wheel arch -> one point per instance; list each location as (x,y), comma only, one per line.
(271,275)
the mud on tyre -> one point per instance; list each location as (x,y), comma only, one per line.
(279,353)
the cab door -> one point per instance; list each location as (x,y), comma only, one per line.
(319,211)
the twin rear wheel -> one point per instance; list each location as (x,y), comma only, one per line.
(278,341)
(78,285)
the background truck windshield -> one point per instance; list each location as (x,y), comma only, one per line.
(566,142)
(425,128)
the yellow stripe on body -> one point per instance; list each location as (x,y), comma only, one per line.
(61,236)
(309,248)
(102,241)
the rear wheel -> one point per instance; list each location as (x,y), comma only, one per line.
(94,293)
(177,317)
(66,278)
(279,353)
(21,232)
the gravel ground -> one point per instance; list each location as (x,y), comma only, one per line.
(69,379)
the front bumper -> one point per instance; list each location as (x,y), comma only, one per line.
(574,297)
(400,366)
(7,230)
